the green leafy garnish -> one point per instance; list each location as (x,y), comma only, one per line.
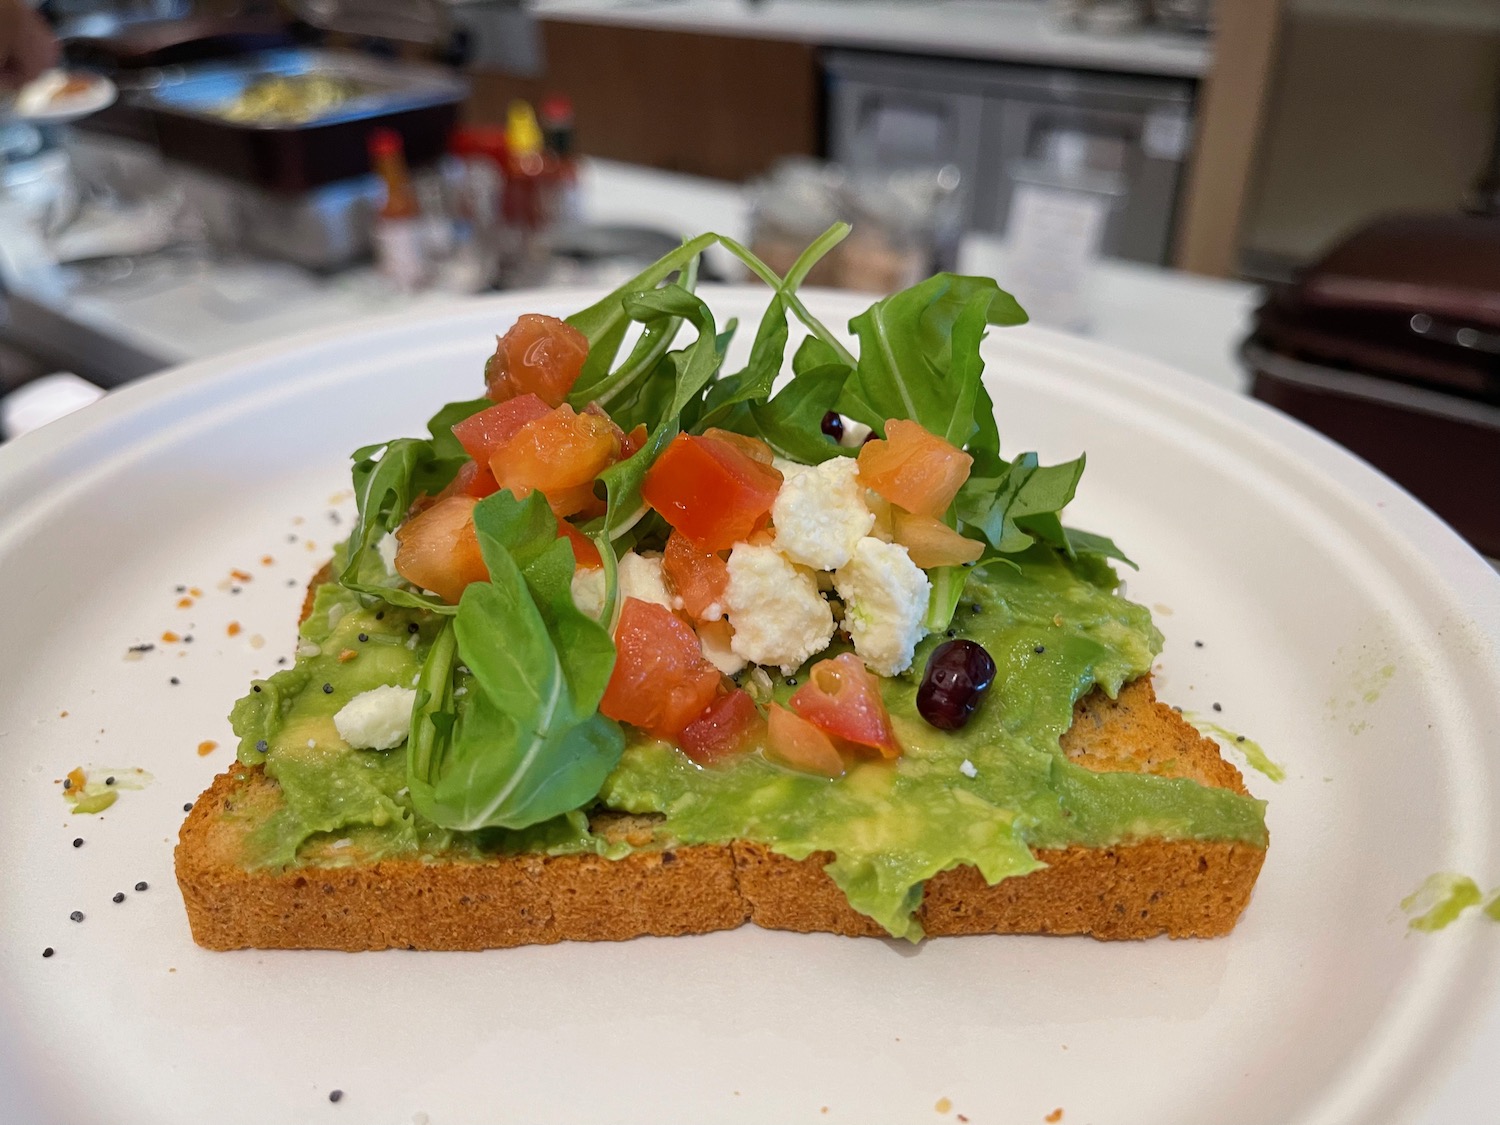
(524,742)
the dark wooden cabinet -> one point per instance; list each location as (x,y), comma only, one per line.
(709,105)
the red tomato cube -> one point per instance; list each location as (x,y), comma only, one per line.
(483,433)
(729,725)
(699,578)
(713,492)
(914,469)
(661,680)
(439,550)
(540,355)
(558,455)
(795,742)
(842,698)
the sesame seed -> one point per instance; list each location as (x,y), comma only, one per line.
(1197,644)
(78,841)
(380,616)
(181,589)
(262,745)
(291,581)
(255,688)
(1217,707)
(109,780)
(187,640)
(234,589)
(1239,738)
(412,627)
(48,951)
(188,807)
(67,783)
(976,608)
(141,886)
(1040,649)
(281,660)
(327,689)
(364,636)
(791,681)
(142,647)
(335,1095)
(119,897)
(77,915)
(952,633)
(174,681)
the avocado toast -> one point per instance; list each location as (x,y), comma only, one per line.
(501,728)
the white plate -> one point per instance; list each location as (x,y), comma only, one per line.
(33,103)
(1343,626)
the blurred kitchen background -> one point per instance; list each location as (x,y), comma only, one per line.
(1297,199)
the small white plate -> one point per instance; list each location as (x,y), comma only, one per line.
(1343,627)
(46,101)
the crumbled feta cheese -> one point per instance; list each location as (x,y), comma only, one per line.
(854,434)
(788,469)
(386,547)
(715,638)
(376,719)
(641,577)
(588,590)
(820,514)
(966,768)
(778,616)
(885,598)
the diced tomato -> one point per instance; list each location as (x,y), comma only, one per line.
(540,355)
(930,542)
(661,681)
(710,490)
(473,479)
(793,741)
(729,725)
(914,469)
(585,553)
(439,550)
(752,447)
(559,455)
(483,433)
(699,578)
(634,441)
(842,698)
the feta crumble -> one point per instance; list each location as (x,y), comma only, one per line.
(376,719)
(716,640)
(885,599)
(966,768)
(777,613)
(820,514)
(640,577)
(588,590)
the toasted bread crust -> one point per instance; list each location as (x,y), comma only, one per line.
(1183,888)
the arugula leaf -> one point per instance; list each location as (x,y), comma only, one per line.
(754,382)
(604,322)
(1016,510)
(1085,544)
(947,588)
(792,422)
(919,355)
(525,742)
(787,289)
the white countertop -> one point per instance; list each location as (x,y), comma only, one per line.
(162,317)
(999,30)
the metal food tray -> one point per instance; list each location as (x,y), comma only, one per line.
(419,102)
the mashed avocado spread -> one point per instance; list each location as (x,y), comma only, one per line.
(1056,631)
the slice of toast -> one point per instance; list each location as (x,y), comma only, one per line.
(340,899)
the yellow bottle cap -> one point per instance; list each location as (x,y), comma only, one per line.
(523,136)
